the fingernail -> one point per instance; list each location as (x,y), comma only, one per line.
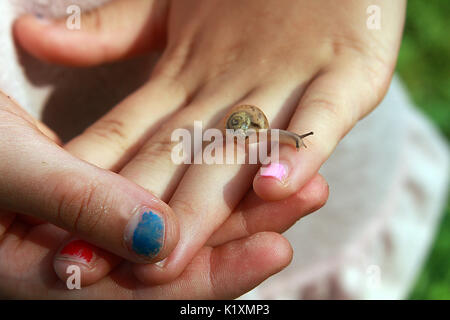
(78,251)
(274,170)
(144,234)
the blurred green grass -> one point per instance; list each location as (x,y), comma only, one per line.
(424,66)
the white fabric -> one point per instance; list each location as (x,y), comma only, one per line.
(388,177)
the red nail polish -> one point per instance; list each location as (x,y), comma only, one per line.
(78,251)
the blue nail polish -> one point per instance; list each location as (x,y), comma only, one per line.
(145,234)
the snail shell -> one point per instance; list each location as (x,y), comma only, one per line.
(245,117)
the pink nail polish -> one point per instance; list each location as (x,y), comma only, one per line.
(275,170)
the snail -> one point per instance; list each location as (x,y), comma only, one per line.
(248,117)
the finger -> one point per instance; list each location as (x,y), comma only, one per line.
(255,215)
(114,31)
(230,270)
(93,262)
(252,216)
(330,107)
(6,220)
(208,193)
(25,256)
(224,272)
(48,132)
(112,140)
(30,220)
(153,167)
(41,179)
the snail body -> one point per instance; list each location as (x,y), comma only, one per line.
(245,118)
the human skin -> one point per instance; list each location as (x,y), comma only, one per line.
(309,65)
(242,246)
(38,175)
(45,183)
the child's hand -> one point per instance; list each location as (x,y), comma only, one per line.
(215,273)
(310,65)
(237,248)
(40,179)
(43,181)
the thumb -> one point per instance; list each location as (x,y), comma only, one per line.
(117,30)
(41,179)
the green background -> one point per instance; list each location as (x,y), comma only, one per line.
(424,66)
